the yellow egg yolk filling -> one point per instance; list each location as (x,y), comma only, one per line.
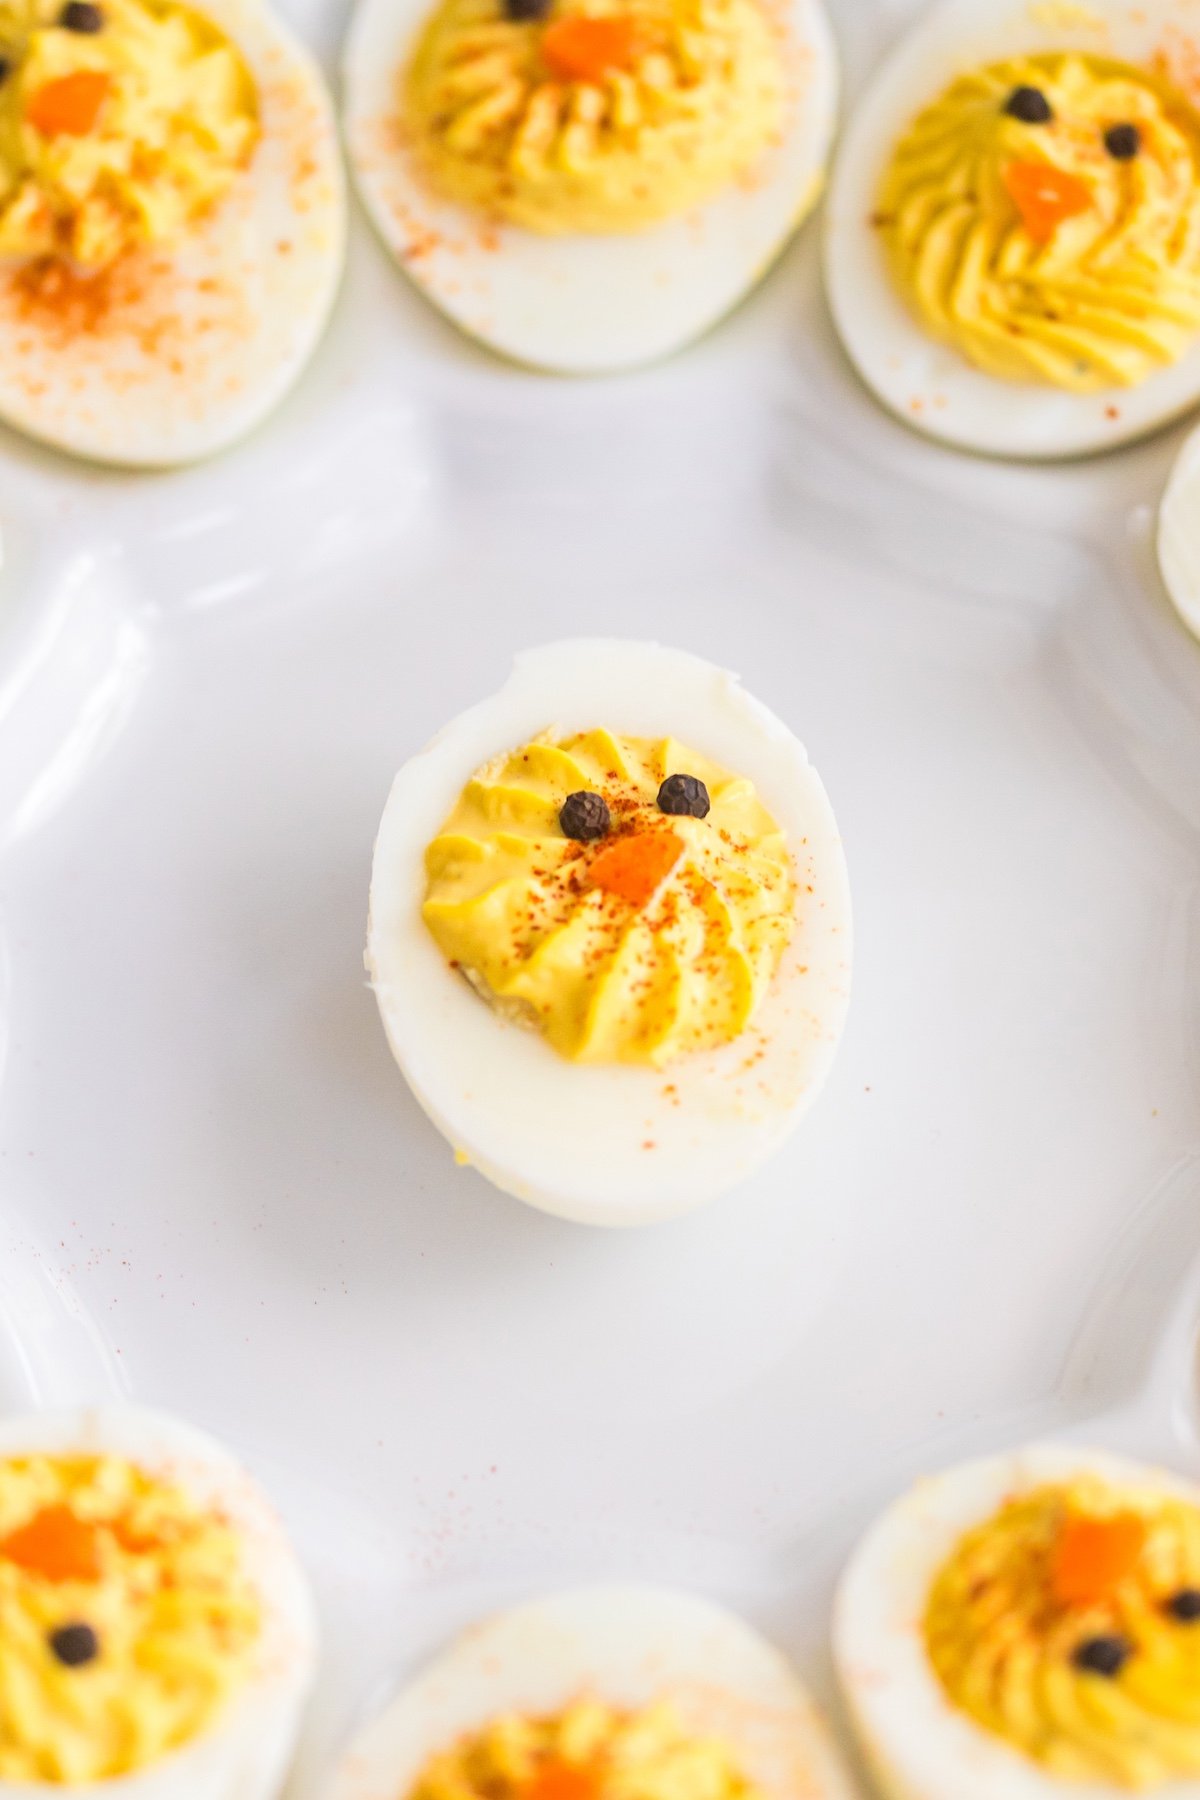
(1057,242)
(1069,1625)
(125,1619)
(117,130)
(604,116)
(587,1752)
(658,939)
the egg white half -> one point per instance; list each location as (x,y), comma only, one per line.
(247,1754)
(919,1745)
(1179,534)
(928,384)
(629,1646)
(611,1145)
(581,305)
(184,350)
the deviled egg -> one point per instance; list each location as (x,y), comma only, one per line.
(157,1636)
(1012,241)
(1179,534)
(1029,1626)
(587,184)
(172,222)
(617,1691)
(610,931)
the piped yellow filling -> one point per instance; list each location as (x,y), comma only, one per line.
(658,940)
(115,137)
(558,127)
(97,1543)
(1033,249)
(1056,1625)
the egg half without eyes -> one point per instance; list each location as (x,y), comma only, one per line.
(586,185)
(610,931)
(1012,241)
(1179,534)
(172,222)
(1029,1626)
(159,1636)
(666,1692)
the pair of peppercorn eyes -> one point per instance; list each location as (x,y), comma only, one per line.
(585,817)
(1031,106)
(1108,1655)
(76,15)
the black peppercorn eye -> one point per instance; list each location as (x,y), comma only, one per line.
(1103,1655)
(1122,142)
(1030,105)
(584,816)
(1184,1606)
(81,15)
(522,12)
(75,1645)
(684,797)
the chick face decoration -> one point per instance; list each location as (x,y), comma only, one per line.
(1043,217)
(1013,235)
(171,222)
(125,1618)
(593,122)
(1026,1626)
(624,896)
(157,1636)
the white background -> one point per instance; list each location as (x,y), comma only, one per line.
(215,1191)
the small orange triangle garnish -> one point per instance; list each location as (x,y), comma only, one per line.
(1094,1556)
(1045,196)
(55,1545)
(632,867)
(582,49)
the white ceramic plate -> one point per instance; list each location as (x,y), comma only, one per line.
(215,1192)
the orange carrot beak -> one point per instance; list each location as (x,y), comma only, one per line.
(632,867)
(70,106)
(1094,1556)
(580,49)
(1045,196)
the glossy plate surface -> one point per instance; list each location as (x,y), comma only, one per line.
(216,1193)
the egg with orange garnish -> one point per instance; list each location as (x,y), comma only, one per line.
(587,184)
(607,1693)
(1029,1625)
(172,222)
(157,1636)
(1012,242)
(610,931)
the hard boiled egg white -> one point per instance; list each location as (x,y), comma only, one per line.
(629,1647)
(1179,534)
(919,1745)
(573,304)
(175,353)
(611,1144)
(248,1753)
(929,384)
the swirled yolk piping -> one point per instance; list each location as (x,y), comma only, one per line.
(1054,242)
(1068,1625)
(658,939)
(126,1622)
(590,1751)
(118,132)
(607,116)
